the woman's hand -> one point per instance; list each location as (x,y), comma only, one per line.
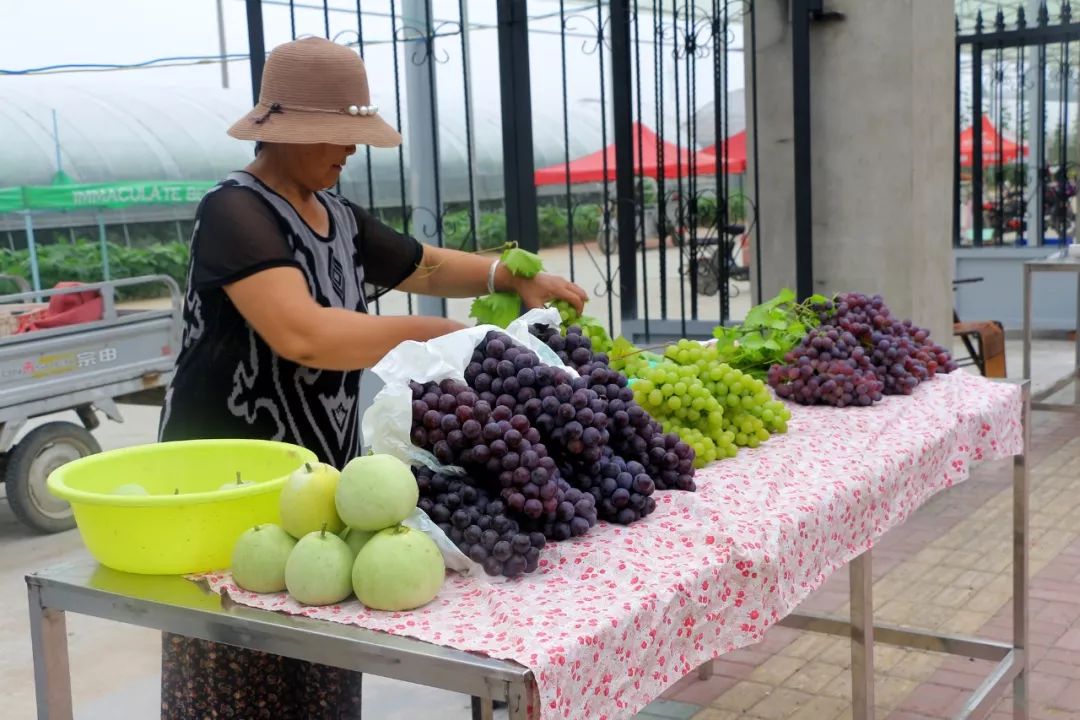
(452,273)
(544,287)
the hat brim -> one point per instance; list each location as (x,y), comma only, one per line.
(299,127)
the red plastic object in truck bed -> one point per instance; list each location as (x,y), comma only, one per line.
(67,309)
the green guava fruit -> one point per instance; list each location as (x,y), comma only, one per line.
(319,569)
(376,492)
(398,569)
(259,557)
(355,539)
(307,500)
(235,484)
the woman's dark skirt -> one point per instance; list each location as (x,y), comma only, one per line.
(201,679)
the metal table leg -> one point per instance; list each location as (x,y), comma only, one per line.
(1027,322)
(52,674)
(517,704)
(1020,558)
(1012,658)
(482,708)
(1076,343)
(862,637)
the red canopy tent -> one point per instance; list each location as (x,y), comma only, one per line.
(590,168)
(735,155)
(996,148)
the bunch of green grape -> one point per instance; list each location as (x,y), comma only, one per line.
(676,397)
(590,326)
(624,357)
(751,413)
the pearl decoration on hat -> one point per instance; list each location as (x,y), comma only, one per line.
(363,110)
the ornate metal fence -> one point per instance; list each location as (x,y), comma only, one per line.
(495,100)
(1017,148)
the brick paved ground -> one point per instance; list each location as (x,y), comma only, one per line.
(948,568)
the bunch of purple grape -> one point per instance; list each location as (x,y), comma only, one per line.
(634,436)
(830,367)
(576,513)
(491,442)
(544,453)
(859,353)
(572,415)
(478,524)
(622,490)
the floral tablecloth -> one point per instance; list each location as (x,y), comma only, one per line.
(612,619)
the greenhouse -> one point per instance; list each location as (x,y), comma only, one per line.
(71,145)
(177,134)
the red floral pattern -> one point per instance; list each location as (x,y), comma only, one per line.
(610,620)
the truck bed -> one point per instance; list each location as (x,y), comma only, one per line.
(128,353)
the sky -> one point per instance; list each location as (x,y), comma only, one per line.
(49,32)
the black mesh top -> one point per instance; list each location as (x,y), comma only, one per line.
(228,382)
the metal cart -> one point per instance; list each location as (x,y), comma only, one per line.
(127,356)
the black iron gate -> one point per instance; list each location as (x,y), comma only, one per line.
(656,235)
(695,232)
(1017,146)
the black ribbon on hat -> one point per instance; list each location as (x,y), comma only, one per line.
(275,108)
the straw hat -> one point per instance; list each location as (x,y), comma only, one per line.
(315,91)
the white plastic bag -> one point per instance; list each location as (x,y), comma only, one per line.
(387,422)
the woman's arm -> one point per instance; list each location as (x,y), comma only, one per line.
(447,273)
(451,273)
(277,304)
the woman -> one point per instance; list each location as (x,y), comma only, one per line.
(276,332)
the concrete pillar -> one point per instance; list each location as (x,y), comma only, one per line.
(882,138)
(422,113)
(772,128)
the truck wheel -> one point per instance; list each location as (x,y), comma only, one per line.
(29,464)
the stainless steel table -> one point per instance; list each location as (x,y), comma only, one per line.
(1058,265)
(176,605)
(1011,658)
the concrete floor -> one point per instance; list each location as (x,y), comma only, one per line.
(115,667)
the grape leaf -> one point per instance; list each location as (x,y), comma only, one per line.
(785,296)
(778,319)
(757,316)
(768,332)
(500,309)
(522,262)
(724,339)
(753,341)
